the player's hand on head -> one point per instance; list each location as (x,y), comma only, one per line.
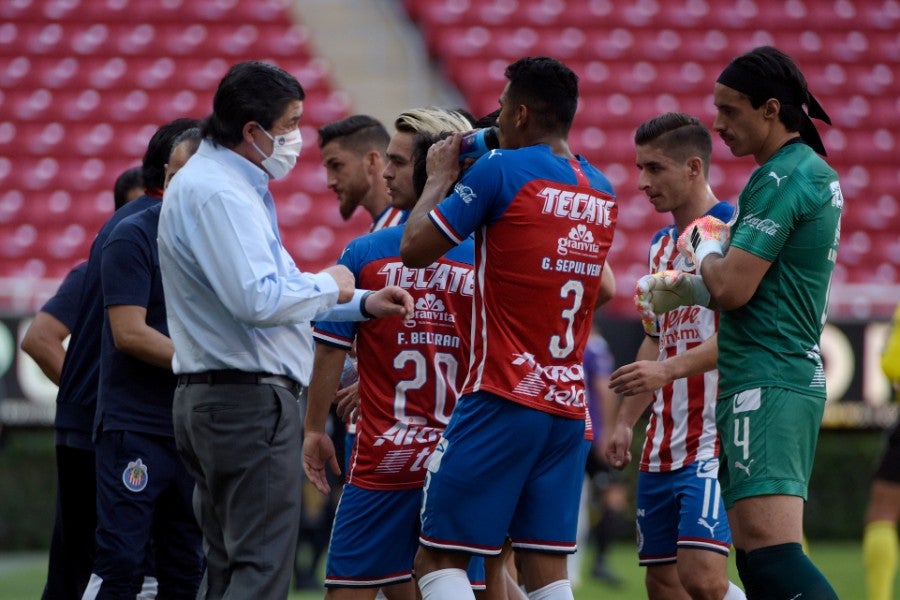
(704,236)
(345,281)
(389,302)
(442,160)
(318,451)
(661,292)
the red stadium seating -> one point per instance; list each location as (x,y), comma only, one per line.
(85,83)
(638,58)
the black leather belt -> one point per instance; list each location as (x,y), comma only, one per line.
(234,377)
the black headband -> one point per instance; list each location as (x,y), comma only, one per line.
(760,89)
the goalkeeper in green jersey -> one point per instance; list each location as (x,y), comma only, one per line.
(769,274)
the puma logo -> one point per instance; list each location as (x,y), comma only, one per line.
(712,528)
(745,468)
(777,179)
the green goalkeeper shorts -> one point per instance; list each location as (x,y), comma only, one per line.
(768,438)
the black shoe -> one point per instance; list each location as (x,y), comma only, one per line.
(601,573)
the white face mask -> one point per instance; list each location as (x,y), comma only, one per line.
(285,150)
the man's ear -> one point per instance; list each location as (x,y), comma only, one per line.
(247,131)
(771,108)
(695,164)
(373,162)
(522,115)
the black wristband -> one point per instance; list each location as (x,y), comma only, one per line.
(362,305)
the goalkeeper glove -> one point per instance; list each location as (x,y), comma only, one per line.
(661,292)
(704,236)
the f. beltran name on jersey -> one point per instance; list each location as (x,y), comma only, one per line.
(551,381)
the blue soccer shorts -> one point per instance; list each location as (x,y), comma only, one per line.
(501,469)
(681,509)
(374,539)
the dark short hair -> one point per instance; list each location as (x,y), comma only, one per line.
(158,150)
(250,91)
(488,120)
(768,63)
(128,180)
(678,136)
(192,136)
(359,133)
(548,88)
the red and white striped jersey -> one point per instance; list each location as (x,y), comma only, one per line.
(682,426)
(389,217)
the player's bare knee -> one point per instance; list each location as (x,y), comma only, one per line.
(429,561)
(662,588)
(704,584)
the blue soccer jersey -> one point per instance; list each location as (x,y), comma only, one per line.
(543,225)
(410,373)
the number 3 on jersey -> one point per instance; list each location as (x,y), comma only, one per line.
(573,288)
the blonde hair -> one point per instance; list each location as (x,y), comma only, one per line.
(432,121)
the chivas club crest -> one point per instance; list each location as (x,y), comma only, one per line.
(135,476)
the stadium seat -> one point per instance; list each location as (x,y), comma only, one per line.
(13,206)
(85,83)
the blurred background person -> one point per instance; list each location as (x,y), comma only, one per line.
(129,185)
(354,154)
(880,536)
(605,499)
(71,562)
(144,492)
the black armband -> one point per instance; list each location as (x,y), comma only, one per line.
(362,305)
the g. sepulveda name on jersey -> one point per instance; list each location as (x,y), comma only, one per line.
(543,226)
(540,371)
(579,246)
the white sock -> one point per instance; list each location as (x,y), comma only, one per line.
(734,593)
(93,587)
(558,590)
(446,584)
(148,588)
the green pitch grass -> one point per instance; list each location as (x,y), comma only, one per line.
(22,575)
